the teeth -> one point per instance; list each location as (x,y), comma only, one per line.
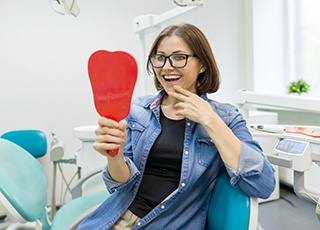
(171,77)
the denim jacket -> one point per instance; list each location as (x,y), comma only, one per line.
(186,207)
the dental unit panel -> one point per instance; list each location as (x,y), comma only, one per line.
(299,165)
(298,153)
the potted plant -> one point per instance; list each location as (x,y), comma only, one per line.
(298,87)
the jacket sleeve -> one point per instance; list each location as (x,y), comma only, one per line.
(113,185)
(255,175)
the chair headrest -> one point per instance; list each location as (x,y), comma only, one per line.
(34,141)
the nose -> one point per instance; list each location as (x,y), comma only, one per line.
(167,63)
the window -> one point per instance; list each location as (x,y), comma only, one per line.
(306,42)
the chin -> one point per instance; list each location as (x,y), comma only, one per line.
(168,88)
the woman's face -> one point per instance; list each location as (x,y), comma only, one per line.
(185,77)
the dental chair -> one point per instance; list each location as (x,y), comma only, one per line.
(34,141)
(24,187)
(230,208)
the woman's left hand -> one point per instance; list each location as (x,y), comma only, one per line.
(198,110)
(191,106)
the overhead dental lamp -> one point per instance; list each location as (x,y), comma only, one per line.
(65,7)
(70,7)
(147,23)
(188,2)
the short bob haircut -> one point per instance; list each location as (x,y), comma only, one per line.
(209,80)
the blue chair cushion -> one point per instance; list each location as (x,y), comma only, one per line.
(34,141)
(229,207)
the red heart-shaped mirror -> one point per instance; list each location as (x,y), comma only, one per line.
(113,76)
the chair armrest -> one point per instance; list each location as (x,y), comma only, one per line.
(76,191)
(74,211)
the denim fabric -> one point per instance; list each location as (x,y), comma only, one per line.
(186,207)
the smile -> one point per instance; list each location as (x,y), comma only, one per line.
(171,77)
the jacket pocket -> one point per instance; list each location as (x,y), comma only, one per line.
(207,151)
(135,131)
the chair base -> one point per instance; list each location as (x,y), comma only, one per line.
(19,226)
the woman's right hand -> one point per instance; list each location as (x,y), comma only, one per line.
(110,135)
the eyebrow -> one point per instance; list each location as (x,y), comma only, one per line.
(174,52)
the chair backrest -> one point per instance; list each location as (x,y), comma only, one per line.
(34,141)
(230,208)
(23,183)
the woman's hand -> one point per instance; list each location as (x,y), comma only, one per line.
(191,106)
(198,110)
(110,135)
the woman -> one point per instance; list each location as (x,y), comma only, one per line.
(173,145)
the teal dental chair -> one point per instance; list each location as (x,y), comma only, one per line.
(34,141)
(21,177)
(24,187)
(230,208)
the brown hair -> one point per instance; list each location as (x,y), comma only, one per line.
(209,80)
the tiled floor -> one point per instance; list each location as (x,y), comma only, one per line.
(288,213)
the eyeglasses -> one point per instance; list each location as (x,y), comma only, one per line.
(175,60)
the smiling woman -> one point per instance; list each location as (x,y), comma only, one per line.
(173,145)
(169,74)
(176,41)
(44,81)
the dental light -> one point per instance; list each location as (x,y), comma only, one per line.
(187,2)
(65,7)
(147,23)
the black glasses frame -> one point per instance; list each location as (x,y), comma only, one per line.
(169,58)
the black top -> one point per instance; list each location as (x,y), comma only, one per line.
(162,173)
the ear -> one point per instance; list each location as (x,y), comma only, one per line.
(202,69)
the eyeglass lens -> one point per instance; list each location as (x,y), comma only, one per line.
(176,60)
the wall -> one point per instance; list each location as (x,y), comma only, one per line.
(43,55)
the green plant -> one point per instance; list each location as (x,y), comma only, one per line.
(299,86)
